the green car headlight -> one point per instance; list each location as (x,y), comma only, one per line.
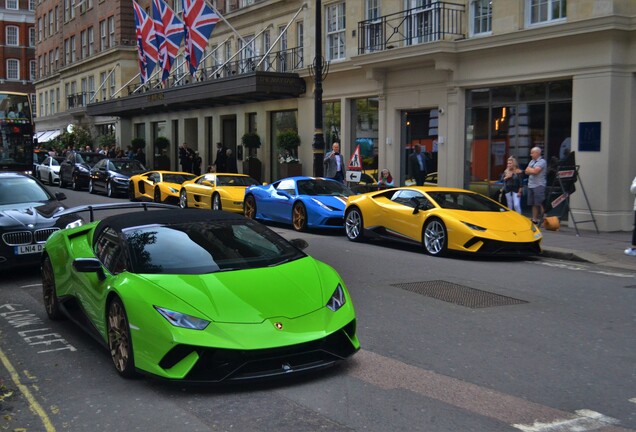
(337,299)
(178,319)
(474,227)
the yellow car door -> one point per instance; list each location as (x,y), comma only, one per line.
(400,218)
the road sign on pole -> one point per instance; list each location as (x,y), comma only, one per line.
(355,163)
(353,176)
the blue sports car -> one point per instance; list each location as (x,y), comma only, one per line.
(305,202)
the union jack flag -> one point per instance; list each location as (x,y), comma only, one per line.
(169,31)
(146,42)
(199,20)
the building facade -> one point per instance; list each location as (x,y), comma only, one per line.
(17,46)
(472,81)
(85,53)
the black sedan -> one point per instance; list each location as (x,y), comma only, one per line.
(76,168)
(112,176)
(29,214)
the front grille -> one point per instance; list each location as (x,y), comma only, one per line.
(42,234)
(17,238)
(494,247)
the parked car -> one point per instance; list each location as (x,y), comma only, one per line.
(76,168)
(303,202)
(112,176)
(49,170)
(216,191)
(157,186)
(198,296)
(441,220)
(29,214)
(38,157)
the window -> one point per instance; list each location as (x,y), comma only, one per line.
(178,7)
(112,85)
(51,62)
(102,35)
(335,25)
(111,32)
(57,58)
(373,39)
(282,56)
(46,24)
(102,83)
(481,16)
(12,36)
(84,42)
(91,88)
(300,43)
(12,4)
(51,20)
(31,36)
(33,67)
(73,50)
(67,10)
(57,19)
(72,9)
(544,11)
(91,44)
(31,5)
(41,65)
(13,69)
(67,51)
(52,101)
(39,29)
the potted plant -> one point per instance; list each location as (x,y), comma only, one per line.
(252,165)
(162,160)
(287,142)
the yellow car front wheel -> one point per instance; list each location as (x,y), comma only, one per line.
(353,225)
(435,237)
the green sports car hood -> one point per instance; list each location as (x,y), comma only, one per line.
(254,295)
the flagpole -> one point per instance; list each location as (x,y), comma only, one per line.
(281,34)
(226,21)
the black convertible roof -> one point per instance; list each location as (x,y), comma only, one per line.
(164,217)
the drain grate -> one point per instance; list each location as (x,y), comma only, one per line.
(459,294)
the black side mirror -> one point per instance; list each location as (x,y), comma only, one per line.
(60,196)
(89,265)
(299,243)
(416,205)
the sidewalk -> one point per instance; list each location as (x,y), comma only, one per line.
(605,248)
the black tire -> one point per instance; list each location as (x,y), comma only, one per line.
(157,195)
(435,237)
(51,179)
(62,182)
(131,192)
(91,188)
(119,340)
(110,192)
(49,292)
(299,217)
(75,184)
(249,207)
(183,199)
(216,202)
(354,225)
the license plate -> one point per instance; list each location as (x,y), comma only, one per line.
(29,249)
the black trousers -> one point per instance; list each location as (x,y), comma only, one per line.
(634,232)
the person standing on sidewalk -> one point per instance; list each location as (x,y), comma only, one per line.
(631,251)
(536,172)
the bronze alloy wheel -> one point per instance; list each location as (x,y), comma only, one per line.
(119,341)
(249,207)
(51,302)
(299,217)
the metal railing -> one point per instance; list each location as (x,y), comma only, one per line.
(431,23)
(78,100)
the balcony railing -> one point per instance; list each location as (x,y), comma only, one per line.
(78,100)
(280,61)
(437,21)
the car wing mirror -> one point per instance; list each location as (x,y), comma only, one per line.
(299,243)
(284,194)
(207,183)
(60,196)
(416,205)
(89,265)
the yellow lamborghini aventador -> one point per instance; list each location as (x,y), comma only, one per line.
(216,191)
(157,186)
(442,219)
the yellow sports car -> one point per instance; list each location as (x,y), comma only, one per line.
(442,219)
(157,186)
(216,191)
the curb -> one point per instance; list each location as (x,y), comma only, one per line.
(565,254)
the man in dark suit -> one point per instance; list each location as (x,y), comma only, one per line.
(417,165)
(221,158)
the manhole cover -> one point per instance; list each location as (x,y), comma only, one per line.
(459,294)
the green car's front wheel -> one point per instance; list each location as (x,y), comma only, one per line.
(119,340)
(51,302)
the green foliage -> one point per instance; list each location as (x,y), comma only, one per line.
(138,143)
(251,140)
(162,143)
(80,137)
(107,140)
(289,140)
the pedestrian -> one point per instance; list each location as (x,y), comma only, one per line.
(417,165)
(334,164)
(141,156)
(184,158)
(631,251)
(386,179)
(536,172)
(221,158)
(196,164)
(512,178)
(230,162)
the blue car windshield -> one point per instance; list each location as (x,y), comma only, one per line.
(206,247)
(323,187)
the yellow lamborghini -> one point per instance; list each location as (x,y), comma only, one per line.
(157,186)
(216,191)
(441,220)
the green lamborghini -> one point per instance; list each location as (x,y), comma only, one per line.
(198,296)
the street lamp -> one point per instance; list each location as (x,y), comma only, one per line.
(318,70)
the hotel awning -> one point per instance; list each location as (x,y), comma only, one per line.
(47,136)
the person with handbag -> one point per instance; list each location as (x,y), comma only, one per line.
(512,179)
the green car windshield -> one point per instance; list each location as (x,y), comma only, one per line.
(206,247)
